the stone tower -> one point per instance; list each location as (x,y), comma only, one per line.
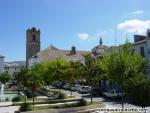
(32,43)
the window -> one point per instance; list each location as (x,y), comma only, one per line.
(142,51)
(33,38)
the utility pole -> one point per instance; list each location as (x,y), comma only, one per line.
(115,38)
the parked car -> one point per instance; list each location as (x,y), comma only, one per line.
(115,94)
(78,87)
(85,89)
(57,84)
(66,86)
(98,91)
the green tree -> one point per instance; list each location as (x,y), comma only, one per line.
(21,78)
(4,77)
(54,70)
(138,89)
(91,71)
(35,79)
(73,73)
(121,63)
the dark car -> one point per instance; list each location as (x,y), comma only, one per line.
(98,91)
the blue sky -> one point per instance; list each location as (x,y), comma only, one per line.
(65,23)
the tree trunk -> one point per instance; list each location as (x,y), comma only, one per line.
(91,97)
(25,99)
(91,93)
(70,90)
(122,100)
(59,89)
(33,98)
(18,90)
(82,92)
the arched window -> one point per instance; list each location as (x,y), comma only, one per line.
(33,38)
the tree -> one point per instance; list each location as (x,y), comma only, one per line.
(91,70)
(21,78)
(35,79)
(121,64)
(4,77)
(73,73)
(54,70)
(138,89)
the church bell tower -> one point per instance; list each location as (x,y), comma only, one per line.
(32,43)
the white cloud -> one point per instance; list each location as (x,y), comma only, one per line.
(83,36)
(137,12)
(134,26)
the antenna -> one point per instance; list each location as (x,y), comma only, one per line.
(127,37)
(115,37)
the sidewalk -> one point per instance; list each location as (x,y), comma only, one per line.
(6,107)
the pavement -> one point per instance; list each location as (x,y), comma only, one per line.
(6,107)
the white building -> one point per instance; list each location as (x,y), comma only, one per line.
(1,63)
(12,67)
(141,46)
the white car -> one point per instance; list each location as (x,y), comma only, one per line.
(78,87)
(66,86)
(114,94)
(73,88)
(85,89)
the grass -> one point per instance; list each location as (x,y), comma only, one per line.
(88,106)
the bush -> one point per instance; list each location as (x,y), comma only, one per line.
(16,99)
(26,107)
(139,92)
(82,103)
(7,99)
(61,95)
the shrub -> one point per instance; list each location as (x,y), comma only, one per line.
(139,92)
(61,95)
(16,99)
(82,103)
(7,99)
(26,107)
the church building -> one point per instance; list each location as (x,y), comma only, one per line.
(34,55)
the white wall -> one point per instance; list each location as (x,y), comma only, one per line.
(146,46)
(33,61)
(11,70)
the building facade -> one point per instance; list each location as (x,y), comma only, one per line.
(52,53)
(141,46)
(32,43)
(34,55)
(11,68)
(1,63)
